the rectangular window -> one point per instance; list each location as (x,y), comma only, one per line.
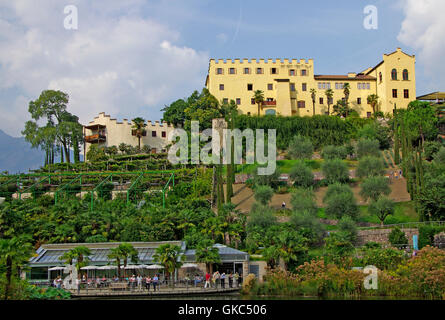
(225,101)
(321,101)
(359,86)
(259,70)
(153,134)
(319,85)
(329,85)
(164,134)
(301,104)
(394,93)
(304,87)
(406,93)
(292,72)
(232,71)
(331,100)
(249,87)
(274,71)
(252,101)
(292,87)
(368,114)
(359,100)
(303,72)
(219,71)
(221,87)
(238,101)
(368,86)
(246,70)
(269,86)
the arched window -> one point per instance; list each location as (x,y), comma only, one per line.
(380,76)
(394,74)
(405,74)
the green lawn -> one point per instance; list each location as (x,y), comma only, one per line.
(404,212)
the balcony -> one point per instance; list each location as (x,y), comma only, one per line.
(96,138)
(269,103)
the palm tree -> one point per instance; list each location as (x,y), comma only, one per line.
(341,108)
(80,254)
(329,95)
(115,255)
(373,100)
(313,96)
(138,129)
(14,254)
(208,254)
(346,91)
(122,253)
(258,96)
(169,256)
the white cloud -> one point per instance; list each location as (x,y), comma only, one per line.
(118,61)
(424,30)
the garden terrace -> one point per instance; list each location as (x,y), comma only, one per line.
(95,185)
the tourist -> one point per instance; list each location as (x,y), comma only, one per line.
(283,205)
(147,283)
(55,283)
(207,284)
(223,280)
(236,277)
(139,280)
(217,278)
(97,282)
(155,282)
(78,285)
(241,279)
(196,280)
(59,282)
(230,279)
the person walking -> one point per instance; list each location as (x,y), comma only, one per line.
(147,283)
(207,284)
(223,280)
(78,285)
(155,282)
(139,280)
(230,279)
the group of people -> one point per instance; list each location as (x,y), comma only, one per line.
(219,280)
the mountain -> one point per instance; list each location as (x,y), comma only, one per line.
(16,155)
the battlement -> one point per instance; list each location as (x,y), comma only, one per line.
(103,119)
(260,61)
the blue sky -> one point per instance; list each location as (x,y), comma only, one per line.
(130,58)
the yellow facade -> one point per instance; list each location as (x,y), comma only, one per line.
(287,85)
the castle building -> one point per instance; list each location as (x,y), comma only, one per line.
(287,85)
(107,132)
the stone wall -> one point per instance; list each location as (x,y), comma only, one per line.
(381,235)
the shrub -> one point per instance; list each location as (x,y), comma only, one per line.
(266,180)
(341,204)
(427,233)
(397,237)
(383,259)
(337,188)
(381,208)
(303,200)
(366,147)
(300,148)
(261,216)
(373,187)
(308,225)
(263,194)
(302,175)
(349,227)
(439,157)
(96,154)
(335,171)
(431,148)
(96,238)
(370,166)
(375,131)
(334,152)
